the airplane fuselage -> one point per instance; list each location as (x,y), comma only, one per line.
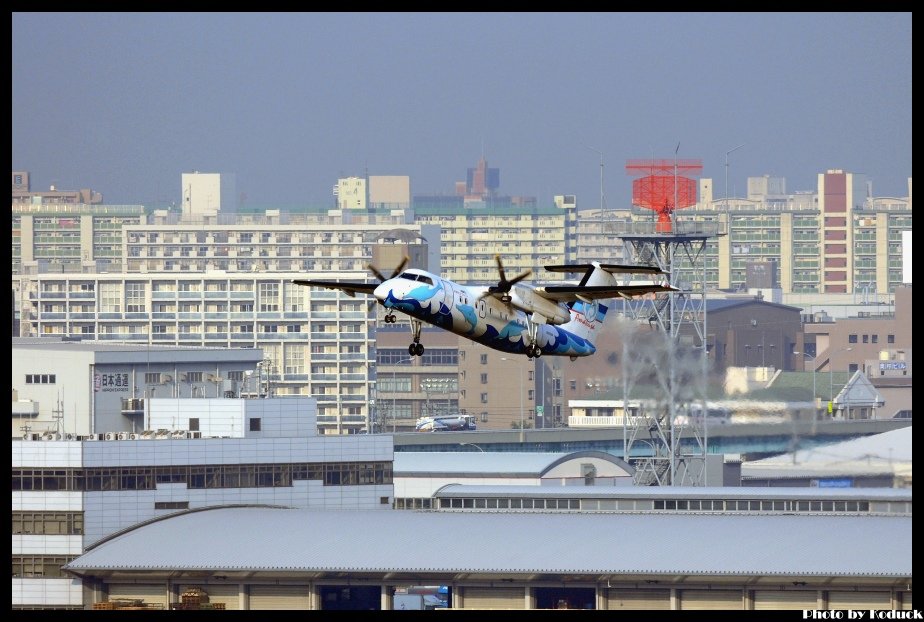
(465,311)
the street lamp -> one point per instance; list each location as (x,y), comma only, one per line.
(602,197)
(831,371)
(726,172)
(814,391)
(504,358)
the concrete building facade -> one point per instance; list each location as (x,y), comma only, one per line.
(76,388)
(68,495)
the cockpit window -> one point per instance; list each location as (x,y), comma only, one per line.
(410,276)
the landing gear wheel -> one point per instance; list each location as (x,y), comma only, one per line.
(412,349)
(418,349)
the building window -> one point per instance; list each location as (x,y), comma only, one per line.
(194,424)
(484,398)
(48,523)
(852,367)
(484,417)
(41,378)
(255,424)
(865,338)
(48,566)
(484,379)
(110,298)
(269,296)
(152,378)
(484,359)
(572,384)
(852,339)
(295,298)
(135,297)
(236,375)
(171,505)
(890,338)
(875,338)
(269,328)
(440,356)
(295,358)
(194,376)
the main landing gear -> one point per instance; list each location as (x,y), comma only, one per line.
(390,318)
(416,348)
(533,349)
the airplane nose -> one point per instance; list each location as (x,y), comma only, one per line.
(381,292)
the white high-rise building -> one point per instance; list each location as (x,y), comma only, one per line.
(206,194)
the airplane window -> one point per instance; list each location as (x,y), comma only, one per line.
(425,279)
(408,276)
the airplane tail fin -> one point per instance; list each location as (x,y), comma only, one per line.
(587,315)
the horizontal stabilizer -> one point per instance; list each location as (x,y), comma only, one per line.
(609,267)
(596,292)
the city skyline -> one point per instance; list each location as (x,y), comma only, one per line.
(124,103)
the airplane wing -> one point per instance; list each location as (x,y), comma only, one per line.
(609,267)
(568,293)
(349,288)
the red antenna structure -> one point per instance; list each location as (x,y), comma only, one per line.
(660,184)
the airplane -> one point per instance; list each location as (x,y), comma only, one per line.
(554,320)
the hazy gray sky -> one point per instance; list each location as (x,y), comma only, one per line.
(125,103)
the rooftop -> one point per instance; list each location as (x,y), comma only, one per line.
(266,539)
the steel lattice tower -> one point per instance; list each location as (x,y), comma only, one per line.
(667,435)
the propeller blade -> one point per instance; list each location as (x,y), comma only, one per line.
(518,278)
(500,268)
(400,267)
(375,271)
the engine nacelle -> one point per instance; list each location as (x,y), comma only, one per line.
(526,299)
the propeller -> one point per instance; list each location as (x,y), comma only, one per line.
(381,277)
(504,285)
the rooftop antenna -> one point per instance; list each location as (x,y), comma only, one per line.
(58,415)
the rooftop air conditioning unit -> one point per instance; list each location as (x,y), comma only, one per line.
(134,437)
(92,437)
(29,436)
(122,436)
(184,377)
(110,436)
(213,378)
(70,437)
(165,378)
(52,436)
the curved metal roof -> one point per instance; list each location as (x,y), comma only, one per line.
(493,463)
(261,539)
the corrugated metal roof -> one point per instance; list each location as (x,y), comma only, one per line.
(482,463)
(887,452)
(255,539)
(674,492)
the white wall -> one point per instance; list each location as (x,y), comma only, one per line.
(58,592)
(283,417)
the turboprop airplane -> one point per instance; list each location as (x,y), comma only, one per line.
(556,320)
